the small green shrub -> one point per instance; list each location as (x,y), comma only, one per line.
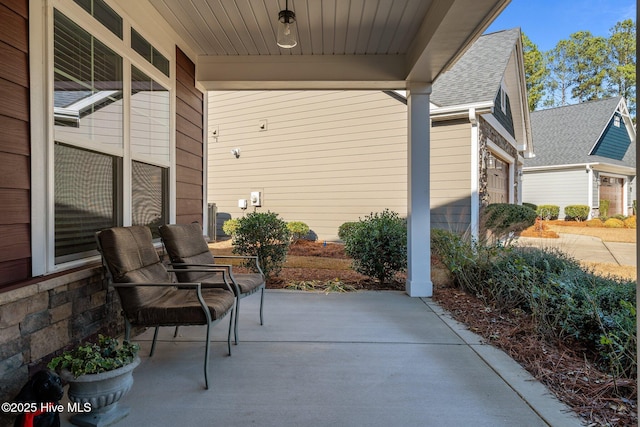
(230,226)
(630,222)
(576,212)
(266,235)
(548,211)
(619,216)
(345,229)
(530,205)
(297,230)
(614,223)
(504,218)
(378,245)
(594,222)
(603,208)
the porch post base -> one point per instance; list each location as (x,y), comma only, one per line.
(417,288)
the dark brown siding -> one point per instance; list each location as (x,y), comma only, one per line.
(189,142)
(15,181)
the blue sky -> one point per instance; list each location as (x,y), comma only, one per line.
(546,22)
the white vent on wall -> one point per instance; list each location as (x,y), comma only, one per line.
(256,198)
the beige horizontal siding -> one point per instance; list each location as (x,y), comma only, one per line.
(451,176)
(326,157)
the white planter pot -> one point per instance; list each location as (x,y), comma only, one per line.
(102,392)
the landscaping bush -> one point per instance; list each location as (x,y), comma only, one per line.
(594,222)
(619,216)
(266,235)
(576,212)
(530,205)
(297,230)
(378,245)
(230,226)
(603,208)
(548,211)
(614,223)
(630,222)
(504,218)
(345,229)
(564,300)
(597,312)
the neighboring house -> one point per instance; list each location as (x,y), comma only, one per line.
(585,153)
(327,157)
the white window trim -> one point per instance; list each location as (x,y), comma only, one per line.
(42,126)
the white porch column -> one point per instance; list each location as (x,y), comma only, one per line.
(418,191)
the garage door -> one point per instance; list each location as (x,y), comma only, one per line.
(498,182)
(611,189)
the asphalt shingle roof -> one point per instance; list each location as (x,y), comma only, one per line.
(477,75)
(565,135)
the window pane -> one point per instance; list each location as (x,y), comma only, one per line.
(149,118)
(160,62)
(85,200)
(88,106)
(140,45)
(104,14)
(148,52)
(149,188)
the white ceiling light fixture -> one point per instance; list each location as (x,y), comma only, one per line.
(287,28)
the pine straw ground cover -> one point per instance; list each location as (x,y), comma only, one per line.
(562,367)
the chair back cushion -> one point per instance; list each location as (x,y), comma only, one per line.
(130,257)
(185,243)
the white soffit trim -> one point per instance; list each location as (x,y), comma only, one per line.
(459,111)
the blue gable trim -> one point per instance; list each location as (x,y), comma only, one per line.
(614,141)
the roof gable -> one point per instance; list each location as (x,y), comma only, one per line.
(581,133)
(477,75)
(614,141)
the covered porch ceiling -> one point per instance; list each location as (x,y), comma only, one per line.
(342,44)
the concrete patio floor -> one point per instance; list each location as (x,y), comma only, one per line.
(355,359)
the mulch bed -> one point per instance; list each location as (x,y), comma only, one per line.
(563,368)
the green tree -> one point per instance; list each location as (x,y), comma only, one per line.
(621,62)
(587,55)
(558,80)
(535,71)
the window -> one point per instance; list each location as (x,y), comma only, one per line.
(149,118)
(616,121)
(88,106)
(503,99)
(91,145)
(86,199)
(150,188)
(104,14)
(148,52)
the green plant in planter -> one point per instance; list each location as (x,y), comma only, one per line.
(94,358)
